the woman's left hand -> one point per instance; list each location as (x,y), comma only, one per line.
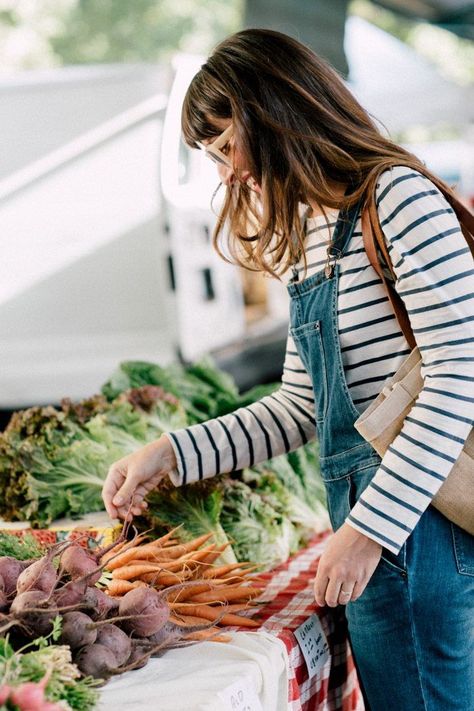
(345,567)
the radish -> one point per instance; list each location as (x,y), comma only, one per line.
(116,640)
(5,692)
(28,696)
(147,610)
(76,630)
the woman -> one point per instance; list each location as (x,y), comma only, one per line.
(297,155)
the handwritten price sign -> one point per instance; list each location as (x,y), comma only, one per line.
(313,644)
(241,696)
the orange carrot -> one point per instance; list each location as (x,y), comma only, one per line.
(125,571)
(178,554)
(233,607)
(188,620)
(209,635)
(181,549)
(122,547)
(226,594)
(164,579)
(197,555)
(116,588)
(129,572)
(222,570)
(189,590)
(216,614)
(134,550)
(213,555)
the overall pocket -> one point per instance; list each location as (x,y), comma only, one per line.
(308,343)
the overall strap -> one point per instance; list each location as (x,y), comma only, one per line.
(373,238)
(342,235)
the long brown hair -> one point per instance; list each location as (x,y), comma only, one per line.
(300,130)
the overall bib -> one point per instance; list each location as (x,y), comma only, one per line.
(412,629)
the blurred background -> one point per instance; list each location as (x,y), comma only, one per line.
(105,218)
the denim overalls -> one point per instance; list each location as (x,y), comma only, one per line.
(412,629)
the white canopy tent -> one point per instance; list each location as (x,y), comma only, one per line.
(397,86)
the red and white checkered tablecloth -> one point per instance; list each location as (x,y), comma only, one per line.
(289,601)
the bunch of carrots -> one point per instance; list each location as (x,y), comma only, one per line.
(197,588)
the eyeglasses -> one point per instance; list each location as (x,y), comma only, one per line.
(213,150)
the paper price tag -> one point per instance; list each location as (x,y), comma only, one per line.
(240,696)
(313,644)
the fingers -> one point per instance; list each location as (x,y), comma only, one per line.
(126,493)
(345,594)
(320,586)
(334,592)
(119,492)
(113,482)
(359,588)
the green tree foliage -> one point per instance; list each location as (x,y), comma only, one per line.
(59,32)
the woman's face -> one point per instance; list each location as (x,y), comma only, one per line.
(227,174)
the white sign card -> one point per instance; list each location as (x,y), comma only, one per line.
(240,696)
(313,644)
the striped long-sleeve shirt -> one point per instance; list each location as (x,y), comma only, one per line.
(435,278)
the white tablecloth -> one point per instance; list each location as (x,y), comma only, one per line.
(190,679)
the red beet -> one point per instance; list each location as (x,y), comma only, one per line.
(97,661)
(77,630)
(10,570)
(32,610)
(80,564)
(99,605)
(40,575)
(116,640)
(70,594)
(147,610)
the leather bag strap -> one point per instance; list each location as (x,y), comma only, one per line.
(373,238)
(370,243)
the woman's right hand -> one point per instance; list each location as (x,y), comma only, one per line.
(130,479)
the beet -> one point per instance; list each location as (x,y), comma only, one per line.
(116,640)
(80,564)
(4,602)
(70,594)
(97,661)
(147,610)
(32,610)
(40,575)
(99,604)
(139,657)
(168,633)
(76,630)
(10,570)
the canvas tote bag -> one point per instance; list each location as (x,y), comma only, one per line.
(381,422)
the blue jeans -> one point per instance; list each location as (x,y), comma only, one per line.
(412,629)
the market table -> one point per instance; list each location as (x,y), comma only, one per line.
(261,670)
